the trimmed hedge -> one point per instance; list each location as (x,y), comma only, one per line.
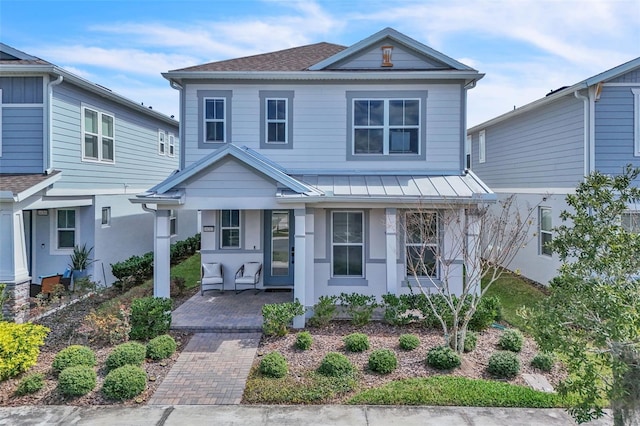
(335,364)
(150,317)
(383,361)
(30,384)
(161,347)
(443,358)
(124,382)
(511,340)
(19,347)
(130,353)
(503,365)
(304,340)
(73,356)
(274,365)
(77,381)
(409,342)
(356,342)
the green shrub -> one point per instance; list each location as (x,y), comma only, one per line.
(396,307)
(274,365)
(77,381)
(356,342)
(409,342)
(470,341)
(304,340)
(161,347)
(278,316)
(323,311)
(511,340)
(503,364)
(489,310)
(543,361)
(19,347)
(150,317)
(359,307)
(73,356)
(335,364)
(130,353)
(124,382)
(383,361)
(136,269)
(443,358)
(30,384)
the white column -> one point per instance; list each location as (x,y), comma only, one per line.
(473,251)
(13,254)
(309,259)
(162,255)
(299,267)
(391,236)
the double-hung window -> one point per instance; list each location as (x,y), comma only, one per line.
(545,229)
(214,120)
(347,244)
(65,229)
(276,120)
(631,222)
(421,244)
(230,229)
(162,145)
(98,136)
(172,145)
(173,223)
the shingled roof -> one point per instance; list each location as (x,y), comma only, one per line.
(294,59)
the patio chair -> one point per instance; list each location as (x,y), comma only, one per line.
(248,275)
(212,275)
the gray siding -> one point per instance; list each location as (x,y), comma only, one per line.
(22,140)
(630,77)
(137,162)
(401,58)
(21,90)
(542,148)
(614,129)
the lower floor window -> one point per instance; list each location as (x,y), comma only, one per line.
(631,222)
(421,244)
(230,229)
(545,226)
(66,228)
(347,244)
(173,230)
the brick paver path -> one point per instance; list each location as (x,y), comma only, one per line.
(212,369)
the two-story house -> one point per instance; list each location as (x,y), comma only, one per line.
(542,150)
(309,160)
(71,154)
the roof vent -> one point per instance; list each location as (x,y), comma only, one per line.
(386,56)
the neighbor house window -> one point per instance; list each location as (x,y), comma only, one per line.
(98,136)
(173,225)
(347,244)
(65,229)
(214,120)
(230,229)
(421,244)
(386,126)
(636,120)
(631,222)
(172,145)
(545,231)
(161,142)
(467,152)
(106,216)
(481,147)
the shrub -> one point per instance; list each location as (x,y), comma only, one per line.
(77,381)
(443,358)
(383,361)
(503,364)
(335,364)
(30,384)
(470,341)
(178,286)
(356,342)
(161,347)
(150,317)
(409,342)
(304,340)
(130,353)
(108,327)
(278,316)
(543,361)
(323,311)
(136,269)
(488,311)
(19,347)
(73,356)
(359,307)
(511,340)
(124,382)
(274,365)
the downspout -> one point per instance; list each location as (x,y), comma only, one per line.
(147,209)
(586,131)
(48,166)
(180,88)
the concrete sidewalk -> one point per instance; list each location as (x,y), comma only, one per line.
(334,415)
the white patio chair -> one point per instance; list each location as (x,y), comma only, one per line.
(248,275)
(212,275)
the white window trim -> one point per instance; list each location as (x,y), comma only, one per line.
(239,228)
(162,142)
(482,149)
(361,244)
(268,121)
(108,222)
(100,113)
(172,145)
(206,120)
(385,126)
(541,231)
(636,121)
(53,234)
(437,244)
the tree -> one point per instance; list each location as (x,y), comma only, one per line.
(592,316)
(478,244)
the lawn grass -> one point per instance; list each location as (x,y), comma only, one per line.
(189,269)
(515,292)
(457,391)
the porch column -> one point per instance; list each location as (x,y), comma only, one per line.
(391,236)
(309,259)
(299,269)
(162,255)
(13,265)
(472,264)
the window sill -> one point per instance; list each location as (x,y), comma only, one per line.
(348,282)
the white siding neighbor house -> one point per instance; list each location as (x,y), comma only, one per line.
(307,161)
(541,151)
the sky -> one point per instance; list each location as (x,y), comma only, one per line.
(525,48)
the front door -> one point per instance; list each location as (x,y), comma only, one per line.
(279,252)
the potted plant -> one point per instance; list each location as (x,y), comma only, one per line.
(80,260)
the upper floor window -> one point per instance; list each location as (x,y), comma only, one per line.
(631,222)
(276,119)
(481,147)
(230,229)
(172,145)
(98,136)
(65,228)
(347,241)
(214,120)
(545,228)
(422,245)
(162,143)
(636,120)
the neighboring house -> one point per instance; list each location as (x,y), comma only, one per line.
(71,154)
(541,151)
(308,159)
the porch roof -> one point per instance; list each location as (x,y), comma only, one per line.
(17,187)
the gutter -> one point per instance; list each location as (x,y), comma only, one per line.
(48,161)
(183,155)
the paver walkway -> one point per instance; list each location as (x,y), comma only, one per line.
(212,369)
